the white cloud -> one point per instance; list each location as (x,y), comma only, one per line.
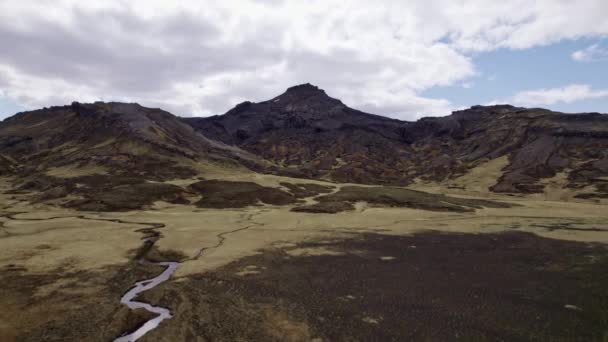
(591,53)
(467,85)
(199,59)
(550,96)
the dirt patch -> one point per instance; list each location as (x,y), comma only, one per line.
(227,194)
(509,286)
(395,197)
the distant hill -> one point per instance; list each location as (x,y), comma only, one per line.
(306,133)
(538,143)
(314,135)
(124,139)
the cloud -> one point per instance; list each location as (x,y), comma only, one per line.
(592,53)
(567,94)
(196,59)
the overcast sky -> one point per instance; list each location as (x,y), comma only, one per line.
(403,59)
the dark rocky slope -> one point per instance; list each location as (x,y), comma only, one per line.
(314,135)
(107,156)
(128,139)
(538,142)
(306,133)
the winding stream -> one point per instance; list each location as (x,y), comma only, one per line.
(150,237)
(141,286)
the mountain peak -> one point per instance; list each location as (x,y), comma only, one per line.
(304,88)
(305,93)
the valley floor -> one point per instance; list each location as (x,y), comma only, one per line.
(535,271)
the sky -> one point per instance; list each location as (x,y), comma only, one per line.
(402,59)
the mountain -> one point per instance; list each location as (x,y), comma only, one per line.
(314,135)
(123,139)
(304,133)
(538,143)
(108,156)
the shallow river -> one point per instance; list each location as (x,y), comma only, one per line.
(141,286)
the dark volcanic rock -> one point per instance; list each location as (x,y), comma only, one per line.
(316,136)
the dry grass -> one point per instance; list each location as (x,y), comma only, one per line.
(88,244)
(58,240)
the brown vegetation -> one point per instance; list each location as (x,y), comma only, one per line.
(227,194)
(429,286)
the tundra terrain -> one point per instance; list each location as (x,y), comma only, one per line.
(301,219)
(498,267)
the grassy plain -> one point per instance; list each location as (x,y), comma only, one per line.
(63,271)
